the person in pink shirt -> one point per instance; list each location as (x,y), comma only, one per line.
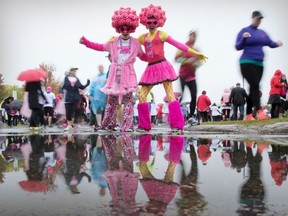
(203,106)
(159,70)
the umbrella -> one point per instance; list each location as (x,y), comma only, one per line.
(176,95)
(16,104)
(32,75)
(34,186)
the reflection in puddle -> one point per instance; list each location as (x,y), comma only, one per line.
(128,174)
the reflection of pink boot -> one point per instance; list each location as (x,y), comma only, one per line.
(175,116)
(144,117)
(175,148)
(144,147)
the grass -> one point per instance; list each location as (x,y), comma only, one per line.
(248,123)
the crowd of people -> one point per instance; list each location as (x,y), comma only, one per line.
(112,96)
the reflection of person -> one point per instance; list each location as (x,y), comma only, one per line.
(71,87)
(239,156)
(203,150)
(278,161)
(187,71)
(192,202)
(122,180)
(159,70)
(122,80)
(252,192)
(274,94)
(251,40)
(99,163)
(73,160)
(238,98)
(159,192)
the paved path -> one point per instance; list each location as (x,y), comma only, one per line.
(274,133)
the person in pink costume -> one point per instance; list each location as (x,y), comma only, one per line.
(159,70)
(122,80)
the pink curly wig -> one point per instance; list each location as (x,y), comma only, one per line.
(125,17)
(154,12)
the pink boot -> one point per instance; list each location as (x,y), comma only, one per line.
(175,116)
(144,117)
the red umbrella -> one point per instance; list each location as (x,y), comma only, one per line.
(34,186)
(176,95)
(32,75)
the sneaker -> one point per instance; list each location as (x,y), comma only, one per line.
(129,130)
(68,128)
(105,129)
(249,117)
(96,128)
(117,128)
(261,115)
(192,121)
(141,130)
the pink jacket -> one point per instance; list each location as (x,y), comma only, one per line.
(127,81)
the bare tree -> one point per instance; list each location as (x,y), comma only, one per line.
(50,80)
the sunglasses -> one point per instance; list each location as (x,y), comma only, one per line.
(152,22)
(125,28)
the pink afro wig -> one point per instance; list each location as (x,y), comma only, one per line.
(154,12)
(125,17)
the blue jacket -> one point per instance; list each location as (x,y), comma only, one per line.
(253,46)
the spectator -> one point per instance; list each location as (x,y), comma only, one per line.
(238,98)
(71,87)
(203,106)
(49,106)
(226,104)
(276,85)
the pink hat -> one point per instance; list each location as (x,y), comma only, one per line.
(49,88)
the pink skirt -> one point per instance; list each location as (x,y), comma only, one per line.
(158,73)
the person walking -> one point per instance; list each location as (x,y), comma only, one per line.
(203,106)
(71,87)
(187,72)
(238,98)
(97,97)
(274,93)
(49,106)
(36,99)
(122,80)
(159,70)
(226,104)
(251,40)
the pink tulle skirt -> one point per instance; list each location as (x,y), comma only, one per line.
(60,108)
(158,73)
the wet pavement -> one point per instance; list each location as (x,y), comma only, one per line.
(85,173)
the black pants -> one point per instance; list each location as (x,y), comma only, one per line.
(253,75)
(36,117)
(192,86)
(70,110)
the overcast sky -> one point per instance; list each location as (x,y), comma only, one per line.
(36,31)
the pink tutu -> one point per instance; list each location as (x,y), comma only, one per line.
(158,73)
(60,108)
